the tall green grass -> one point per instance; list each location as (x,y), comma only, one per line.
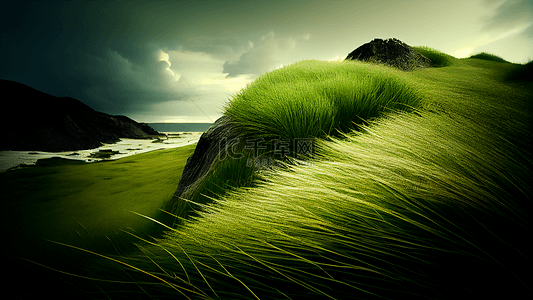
(317,98)
(438,58)
(428,205)
(309,99)
(488,56)
(417,206)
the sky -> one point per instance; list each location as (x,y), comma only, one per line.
(181,61)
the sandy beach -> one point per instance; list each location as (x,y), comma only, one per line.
(125,147)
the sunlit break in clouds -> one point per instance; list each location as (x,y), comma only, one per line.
(165,57)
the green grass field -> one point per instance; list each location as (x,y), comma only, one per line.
(429,200)
(86,205)
(431,204)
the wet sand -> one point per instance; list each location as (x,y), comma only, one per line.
(125,147)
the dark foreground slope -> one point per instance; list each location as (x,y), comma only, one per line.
(33,120)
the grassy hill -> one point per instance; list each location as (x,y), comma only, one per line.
(419,188)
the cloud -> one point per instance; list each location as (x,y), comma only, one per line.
(114,81)
(219,47)
(487,39)
(196,79)
(528,32)
(268,53)
(202,74)
(202,85)
(157,81)
(509,15)
(510,20)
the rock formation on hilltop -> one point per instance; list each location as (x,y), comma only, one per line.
(33,120)
(392,52)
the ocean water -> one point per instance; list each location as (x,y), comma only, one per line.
(180,127)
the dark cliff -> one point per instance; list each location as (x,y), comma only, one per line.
(33,120)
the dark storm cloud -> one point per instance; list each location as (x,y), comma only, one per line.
(108,53)
(114,81)
(509,15)
(103,53)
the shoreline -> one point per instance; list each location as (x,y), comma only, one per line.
(11,160)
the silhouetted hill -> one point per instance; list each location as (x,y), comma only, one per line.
(33,120)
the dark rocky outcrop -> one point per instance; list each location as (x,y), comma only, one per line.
(218,139)
(33,120)
(392,52)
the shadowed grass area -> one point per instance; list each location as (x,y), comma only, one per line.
(100,196)
(86,205)
(522,73)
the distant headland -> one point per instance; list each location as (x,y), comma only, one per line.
(33,120)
